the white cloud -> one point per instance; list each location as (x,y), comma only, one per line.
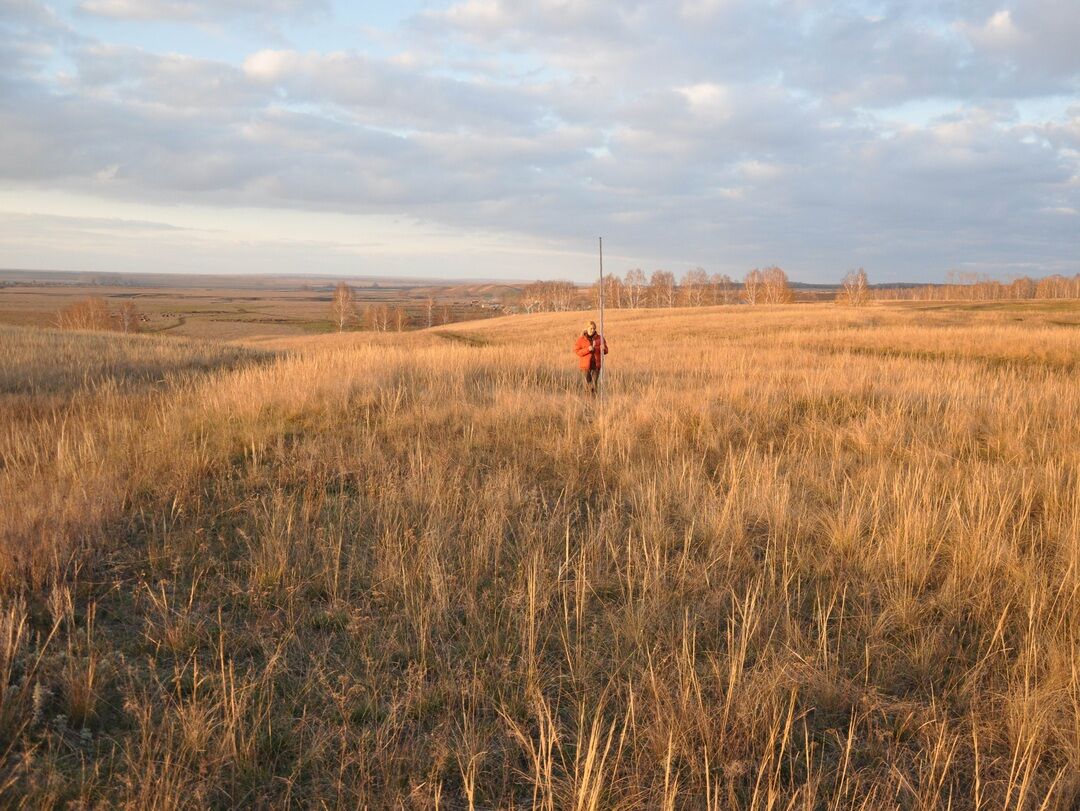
(1033,45)
(891,136)
(755,170)
(998,32)
(269,65)
(705,96)
(478,14)
(197,10)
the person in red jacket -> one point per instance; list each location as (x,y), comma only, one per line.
(590,349)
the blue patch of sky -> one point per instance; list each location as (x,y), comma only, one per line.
(919,112)
(370,27)
(376,29)
(1047,108)
(507,68)
(924,112)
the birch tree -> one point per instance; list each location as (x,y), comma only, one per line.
(694,284)
(777,289)
(343,306)
(754,286)
(635,288)
(855,289)
(662,288)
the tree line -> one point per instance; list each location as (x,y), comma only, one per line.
(347,313)
(696,288)
(972,287)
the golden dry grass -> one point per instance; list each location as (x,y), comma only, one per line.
(234,308)
(809,557)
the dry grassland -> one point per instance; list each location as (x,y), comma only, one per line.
(237,308)
(807,558)
(218,313)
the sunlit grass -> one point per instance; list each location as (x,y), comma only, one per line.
(806,556)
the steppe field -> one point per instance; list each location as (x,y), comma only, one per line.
(238,308)
(803,557)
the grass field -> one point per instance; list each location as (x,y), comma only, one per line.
(238,307)
(806,557)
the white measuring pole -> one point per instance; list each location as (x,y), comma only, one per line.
(602,338)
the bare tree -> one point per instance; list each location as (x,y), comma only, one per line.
(722,289)
(343,306)
(694,284)
(430,309)
(91,313)
(662,288)
(532,297)
(1022,288)
(855,289)
(614,290)
(563,295)
(635,288)
(554,296)
(1057,286)
(401,319)
(777,290)
(377,317)
(127,317)
(754,286)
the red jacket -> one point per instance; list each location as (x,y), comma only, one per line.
(588,351)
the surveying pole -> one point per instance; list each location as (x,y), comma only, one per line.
(602,338)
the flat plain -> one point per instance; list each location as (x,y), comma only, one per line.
(238,307)
(802,557)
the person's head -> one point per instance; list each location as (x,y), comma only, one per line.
(590,328)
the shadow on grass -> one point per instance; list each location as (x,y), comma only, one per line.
(50,362)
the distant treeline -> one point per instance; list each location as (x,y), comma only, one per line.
(697,288)
(973,288)
(634,290)
(347,313)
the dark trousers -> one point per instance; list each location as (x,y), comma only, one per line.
(592,377)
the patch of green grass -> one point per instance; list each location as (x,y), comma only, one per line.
(467,338)
(1029,306)
(319,327)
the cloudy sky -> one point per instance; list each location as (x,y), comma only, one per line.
(498,138)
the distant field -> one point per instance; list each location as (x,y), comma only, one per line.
(1065,307)
(806,557)
(257,307)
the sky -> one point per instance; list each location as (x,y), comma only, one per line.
(500,138)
